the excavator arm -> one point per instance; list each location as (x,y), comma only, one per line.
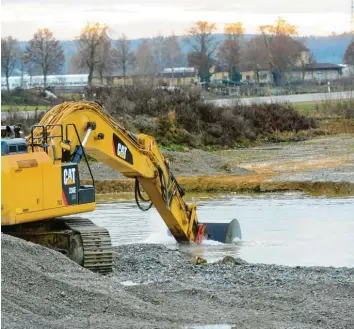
(41,184)
(88,129)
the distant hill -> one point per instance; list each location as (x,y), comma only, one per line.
(328,49)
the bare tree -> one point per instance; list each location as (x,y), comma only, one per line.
(10,53)
(104,58)
(308,58)
(255,56)
(349,54)
(229,55)
(199,61)
(158,45)
(30,67)
(45,51)
(167,52)
(123,57)
(74,64)
(283,51)
(229,52)
(172,51)
(89,41)
(200,37)
(22,68)
(145,62)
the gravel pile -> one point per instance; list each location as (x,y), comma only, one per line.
(155,287)
(191,163)
(344,174)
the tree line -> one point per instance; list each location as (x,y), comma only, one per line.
(274,49)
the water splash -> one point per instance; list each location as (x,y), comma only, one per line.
(160,238)
(208,242)
(161,234)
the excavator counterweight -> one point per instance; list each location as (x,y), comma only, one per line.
(41,184)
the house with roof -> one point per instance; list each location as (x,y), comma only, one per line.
(177,76)
(304,68)
(317,72)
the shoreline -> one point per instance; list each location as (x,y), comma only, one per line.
(215,185)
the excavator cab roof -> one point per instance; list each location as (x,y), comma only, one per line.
(13,146)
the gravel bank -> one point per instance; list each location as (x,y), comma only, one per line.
(154,287)
(191,163)
(325,159)
(343,174)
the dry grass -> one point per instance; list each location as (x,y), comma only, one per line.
(182,118)
(332,126)
(249,183)
(197,187)
(112,186)
(328,189)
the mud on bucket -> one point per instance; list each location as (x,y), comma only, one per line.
(224,232)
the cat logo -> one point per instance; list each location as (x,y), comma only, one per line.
(69,176)
(121,151)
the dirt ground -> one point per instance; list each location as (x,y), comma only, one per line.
(321,165)
(323,152)
(333,153)
(155,287)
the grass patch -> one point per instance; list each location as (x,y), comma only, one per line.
(70,96)
(324,108)
(7,108)
(328,189)
(307,108)
(333,126)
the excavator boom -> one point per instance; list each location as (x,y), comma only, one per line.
(64,137)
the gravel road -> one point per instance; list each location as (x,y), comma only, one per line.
(155,287)
(318,97)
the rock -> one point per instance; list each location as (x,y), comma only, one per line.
(232,260)
(198,260)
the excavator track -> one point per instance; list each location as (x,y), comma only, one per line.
(78,238)
(96,243)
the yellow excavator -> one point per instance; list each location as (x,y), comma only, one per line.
(41,184)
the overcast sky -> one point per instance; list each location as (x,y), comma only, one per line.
(146,18)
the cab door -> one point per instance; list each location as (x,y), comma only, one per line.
(27,183)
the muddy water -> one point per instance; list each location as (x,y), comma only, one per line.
(286,229)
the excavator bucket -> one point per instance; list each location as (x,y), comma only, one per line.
(224,232)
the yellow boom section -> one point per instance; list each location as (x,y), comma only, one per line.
(136,156)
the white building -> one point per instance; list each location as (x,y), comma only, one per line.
(27,82)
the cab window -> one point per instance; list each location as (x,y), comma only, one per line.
(3,148)
(12,149)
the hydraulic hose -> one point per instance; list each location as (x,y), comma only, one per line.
(138,197)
